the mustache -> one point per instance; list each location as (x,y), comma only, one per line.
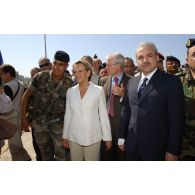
(146,63)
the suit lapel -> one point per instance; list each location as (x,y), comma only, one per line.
(107,87)
(134,87)
(153,82)
(122,81)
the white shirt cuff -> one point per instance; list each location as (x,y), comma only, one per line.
(121,141)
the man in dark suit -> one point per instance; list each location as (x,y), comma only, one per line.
(152,119)
(114,86)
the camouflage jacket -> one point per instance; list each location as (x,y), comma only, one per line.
(188,143)
(49,97)
(189,92)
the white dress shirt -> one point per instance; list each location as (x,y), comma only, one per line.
(148,78)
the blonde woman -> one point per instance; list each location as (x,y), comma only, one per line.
(86,120)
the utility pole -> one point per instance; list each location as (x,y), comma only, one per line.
(1,59)
(45,45)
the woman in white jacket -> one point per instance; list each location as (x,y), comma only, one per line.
(86,120)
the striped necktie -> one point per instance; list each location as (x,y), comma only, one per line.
(111,102)
(142,87)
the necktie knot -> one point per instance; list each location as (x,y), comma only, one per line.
(111,102)
(116,80)
(144,82)
(142,87)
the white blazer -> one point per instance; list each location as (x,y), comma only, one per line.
(86,120)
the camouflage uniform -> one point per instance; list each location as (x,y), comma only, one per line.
(188,145)
(47,110)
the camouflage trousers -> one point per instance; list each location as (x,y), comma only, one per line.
(49,140)
(188,144)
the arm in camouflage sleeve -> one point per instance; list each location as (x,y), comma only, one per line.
(24,106)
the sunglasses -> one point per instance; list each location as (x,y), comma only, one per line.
(79,71)
(43,65)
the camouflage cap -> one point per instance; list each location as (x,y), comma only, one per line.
(190,43)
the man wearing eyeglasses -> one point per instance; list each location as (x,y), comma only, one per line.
(44,64)
(114,87)
(48,89)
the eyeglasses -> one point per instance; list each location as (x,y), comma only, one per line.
(78,71)
(43,65)
(111,64)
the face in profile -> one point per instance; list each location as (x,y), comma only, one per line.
(129,67)
(103,72)
(191,58)
(45,65)
(112,67)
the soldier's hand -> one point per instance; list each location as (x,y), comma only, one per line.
(66,143)
(25,125)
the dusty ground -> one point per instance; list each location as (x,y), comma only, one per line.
(27,141)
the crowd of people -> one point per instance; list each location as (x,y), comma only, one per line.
(112,111)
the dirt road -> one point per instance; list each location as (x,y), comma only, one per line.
(27,142)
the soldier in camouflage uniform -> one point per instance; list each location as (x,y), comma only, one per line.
(188,81)
(48,89)
(173,65)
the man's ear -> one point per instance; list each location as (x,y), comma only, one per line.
(187,59)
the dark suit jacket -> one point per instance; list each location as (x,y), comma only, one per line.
(154,124)
(114,153)
(106,84)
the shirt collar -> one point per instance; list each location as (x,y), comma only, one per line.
(148,76)
(119,76)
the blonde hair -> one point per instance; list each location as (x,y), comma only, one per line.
(85,63)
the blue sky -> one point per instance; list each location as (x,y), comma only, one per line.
(23,51)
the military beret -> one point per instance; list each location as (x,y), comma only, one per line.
(190,43)
(161,56)
(62,56)
(172,58)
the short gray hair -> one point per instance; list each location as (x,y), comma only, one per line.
(148,44)
(118,58)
